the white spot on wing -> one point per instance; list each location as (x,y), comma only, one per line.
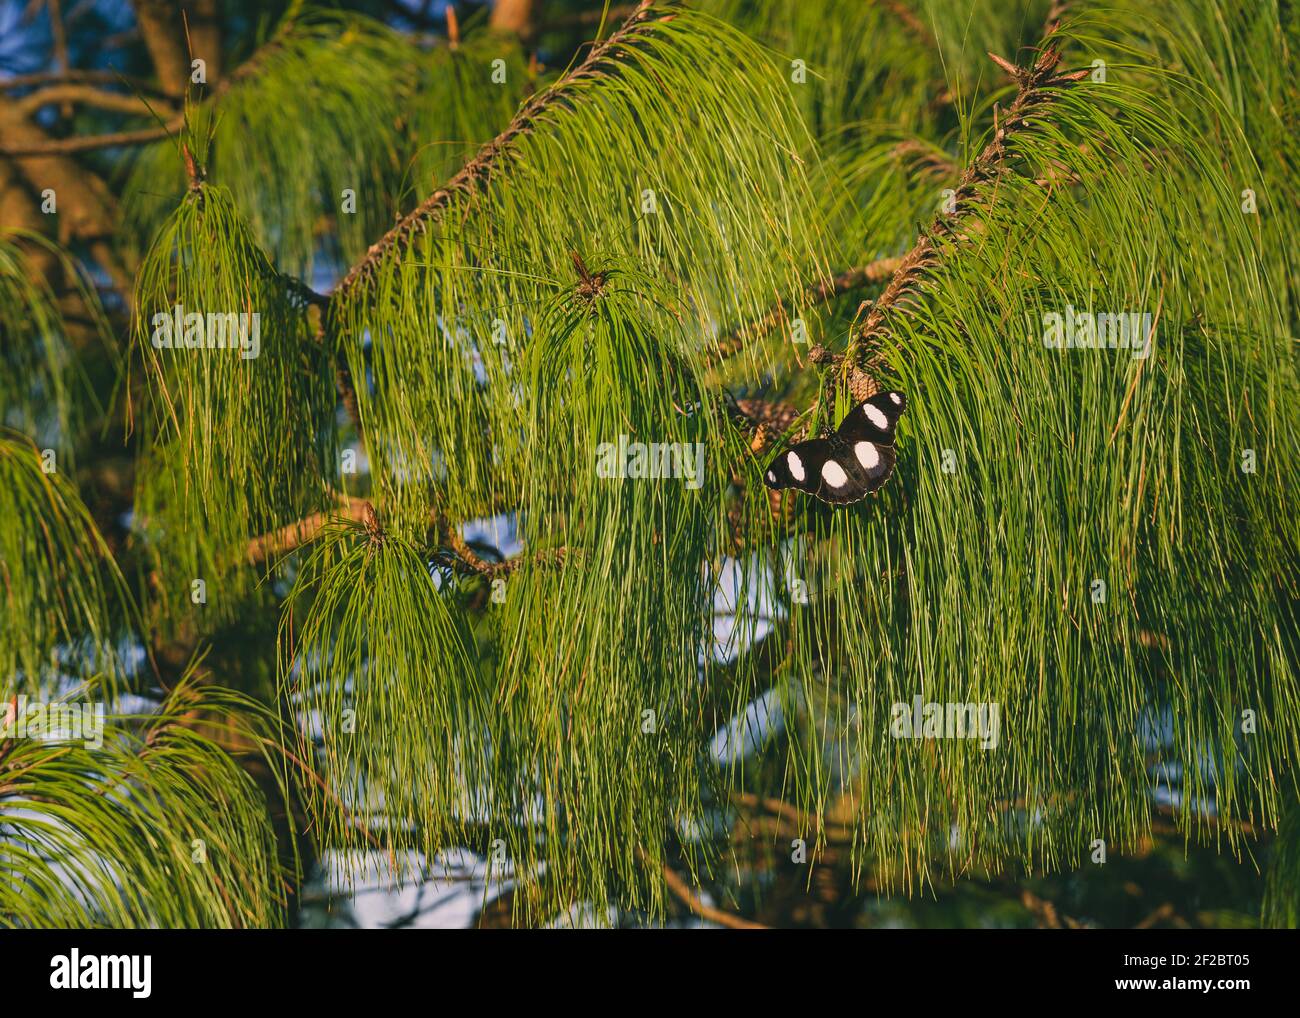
(795,464)
(876,416)
(867,455)
(771,476)
(897,398)
(834,474)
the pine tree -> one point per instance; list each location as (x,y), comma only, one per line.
(386,403)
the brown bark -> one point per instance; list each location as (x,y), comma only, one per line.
(19,210)
(47,146)
(511,16)
(164,37)
(205,34)
(77,76)
(85,95)
(86,207)
(84,200)
(287,538)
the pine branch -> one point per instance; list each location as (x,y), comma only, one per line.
(100,827)
(475,174)
(822,292)
(1031,100)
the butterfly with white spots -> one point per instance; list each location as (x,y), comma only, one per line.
(850,464)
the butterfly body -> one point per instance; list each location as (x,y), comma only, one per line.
(848,465)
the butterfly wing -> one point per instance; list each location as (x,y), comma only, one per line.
(874,420)
(822,467)
(799,466)
(853,463)
(874,460)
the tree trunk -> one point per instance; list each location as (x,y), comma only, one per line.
(164,37)
(511,16)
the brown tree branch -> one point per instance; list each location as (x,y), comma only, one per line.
(511,16)
(86,143)
(476,564)
(203,24)
(160,28)
(84,202)
(287,538)
(20,210)
(86,207)
(453,27)
(60,40)
(39,144)
(76,76)
(276,543)
(83,95)
(684,893)
(767,420)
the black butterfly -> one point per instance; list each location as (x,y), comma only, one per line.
(850,464)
